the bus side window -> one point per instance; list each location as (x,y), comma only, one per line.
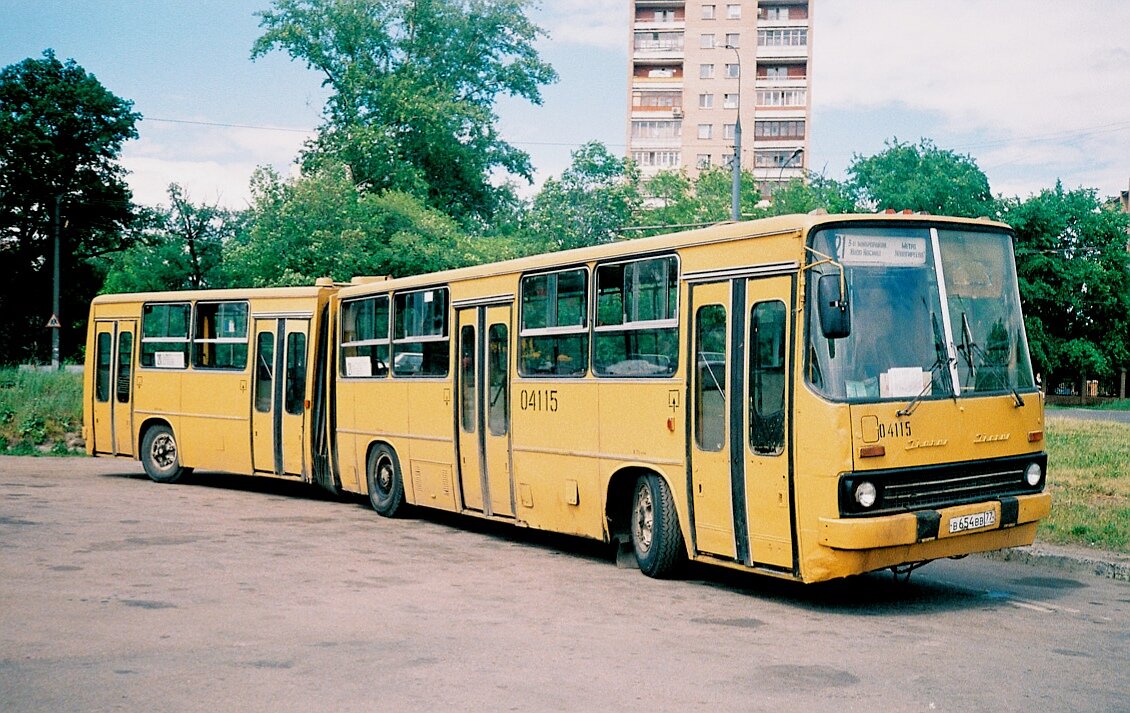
(295,372)
(264,371)
(102,375)
(767,378)
(125,362)
(710,377)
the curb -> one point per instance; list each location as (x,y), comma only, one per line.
(1097,563)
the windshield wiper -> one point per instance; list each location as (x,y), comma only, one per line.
(941,361)
(972,351)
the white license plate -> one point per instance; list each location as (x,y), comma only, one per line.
(973,522)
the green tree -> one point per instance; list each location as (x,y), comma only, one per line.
(177,248)
(921,177)
(595,198)
(1074,275)
(322,225)
(815,193)
(414,84)
(61,134)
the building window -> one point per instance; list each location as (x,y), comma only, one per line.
(777,158)
(775,14)
(705,131)
(706,42)
(781,97)
(734,12)
(664,16)
(787,129)
(553,338)
(705,101)
(729,131)
(637,318)
(706,71)
(733,71)
(656,159)
(708,12)
(655,101)
(733,38)
(659,41)
(645,129)
(729,101)
(779,72)
(702,160)
(795,37)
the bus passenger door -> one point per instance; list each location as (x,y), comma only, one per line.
(483,409)
(113,387)
(766,406)
(711,477)
(278,414)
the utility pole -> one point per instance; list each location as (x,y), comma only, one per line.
(54,325)
(736,187)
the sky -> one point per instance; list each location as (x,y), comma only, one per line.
(1034,91)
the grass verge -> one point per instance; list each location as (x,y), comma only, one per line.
(40,412)
(1089,479)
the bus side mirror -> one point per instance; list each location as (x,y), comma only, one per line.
(835,316)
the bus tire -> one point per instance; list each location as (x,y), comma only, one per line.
(160,456)
(656,538)
(386,487)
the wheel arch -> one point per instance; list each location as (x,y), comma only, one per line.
(619,495)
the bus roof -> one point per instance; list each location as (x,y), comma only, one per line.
(249,293)
(799,223)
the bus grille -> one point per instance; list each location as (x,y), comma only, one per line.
(932,487)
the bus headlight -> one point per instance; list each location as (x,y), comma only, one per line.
(866,494)
(1033,474)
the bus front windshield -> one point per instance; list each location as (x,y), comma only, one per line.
(934,313)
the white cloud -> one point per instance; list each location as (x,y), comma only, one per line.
(595,23)
(212,163)
(1049,81)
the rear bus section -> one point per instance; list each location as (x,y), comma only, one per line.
(227,380)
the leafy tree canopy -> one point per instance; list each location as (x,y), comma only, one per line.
(414,83)
(322,225)
(920,177)
(177,248)
(1074,273)
(61,134)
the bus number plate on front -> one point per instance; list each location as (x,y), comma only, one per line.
(973,522)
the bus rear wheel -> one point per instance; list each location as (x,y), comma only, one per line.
(386,487)
(160,457)
(656,537)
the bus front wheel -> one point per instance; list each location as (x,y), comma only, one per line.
(386,487)
(656,537)
(160,457)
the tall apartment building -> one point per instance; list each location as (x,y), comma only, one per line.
(696,66)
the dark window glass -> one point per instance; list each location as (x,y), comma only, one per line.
(164,335)
(125,365)
(637,319)
(365,337)
(553,340)
(710,378)
(264,372)
(421,346)
(220,336)
(295,392)
(103,359)
(767,378)
(498,380)
(467,379)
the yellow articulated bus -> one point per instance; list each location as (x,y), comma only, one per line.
(211,379)
(808,397)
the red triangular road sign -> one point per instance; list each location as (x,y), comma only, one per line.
(53,323)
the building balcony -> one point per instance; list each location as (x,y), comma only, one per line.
(662,26)
(765,52)
(658,54)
